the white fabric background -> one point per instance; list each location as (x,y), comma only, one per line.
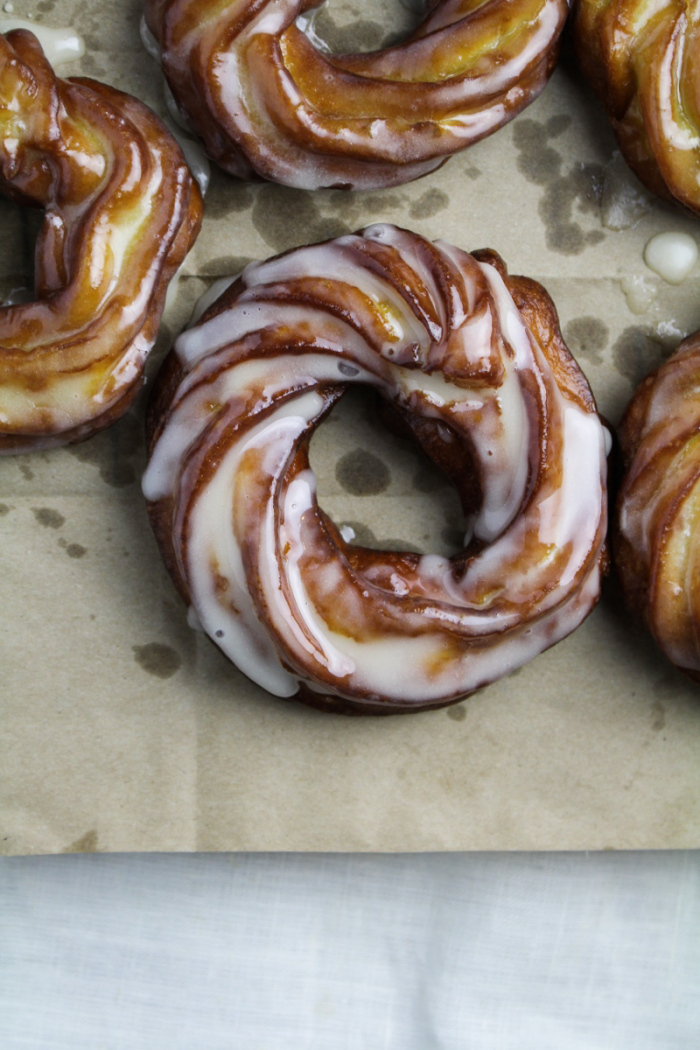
(284,952)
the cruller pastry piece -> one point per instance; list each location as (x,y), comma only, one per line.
(657,533)
(266,101)
(121,212)
(473,363)
(642,60)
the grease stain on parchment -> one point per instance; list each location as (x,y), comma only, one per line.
(48,517)
(5,508)
(361,473)
(113,451)
(429,204)
(638,351)
(541,164)
(587,337)
(157,659)
(87,843)
(73,550)
(457,713)
(286,218)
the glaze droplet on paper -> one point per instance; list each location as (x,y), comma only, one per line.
(672,255)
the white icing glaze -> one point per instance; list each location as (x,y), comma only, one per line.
(229,386)
(59,45)
(672,255)
(210,296)
(149,41)
(639,291)
(197,160)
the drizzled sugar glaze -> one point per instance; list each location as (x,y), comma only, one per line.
(121,212)
(437,332)
(658,512)
(267,99)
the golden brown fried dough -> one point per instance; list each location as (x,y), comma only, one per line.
(267,102)
(121,213)
(473,363)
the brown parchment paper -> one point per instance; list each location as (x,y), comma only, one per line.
(122,729)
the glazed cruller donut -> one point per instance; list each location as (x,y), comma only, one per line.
(121,212)
(473,362)
(266,101)
(656,535)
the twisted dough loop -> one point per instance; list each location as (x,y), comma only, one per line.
(491,394)
(658,516)
(121,212)
(642,61)
(265,100)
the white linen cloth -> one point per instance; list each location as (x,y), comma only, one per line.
(335,952)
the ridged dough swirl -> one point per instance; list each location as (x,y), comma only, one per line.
(265,100)
(121,212)
(643,60)
(657,549)
(473,363)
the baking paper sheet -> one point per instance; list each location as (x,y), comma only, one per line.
(122,729)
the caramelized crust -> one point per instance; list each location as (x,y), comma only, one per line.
(642,61)
(121,213)
(267,102)
(488,390)
(658,514)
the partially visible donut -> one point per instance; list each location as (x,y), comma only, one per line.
(266,101)
(121,213)
(657,534)
(642,61)
(473,362)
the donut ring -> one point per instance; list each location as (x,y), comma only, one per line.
(658,513)
(642,62)
(121,212)
(473,363)
(266,101)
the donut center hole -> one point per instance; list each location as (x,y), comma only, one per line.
(381,490)
(354,26)
(20,228)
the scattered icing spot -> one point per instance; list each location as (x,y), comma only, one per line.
(361,473)
(362,535)
(639,291)
(672,255)
(162,661)
(623,199)
(60,45)
(48,517)
(457,713)
(588,337)
(346,531)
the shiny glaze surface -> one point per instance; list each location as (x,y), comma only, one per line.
(266,101)
(472,362)
(642,61)
(121,212)
(658,514)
